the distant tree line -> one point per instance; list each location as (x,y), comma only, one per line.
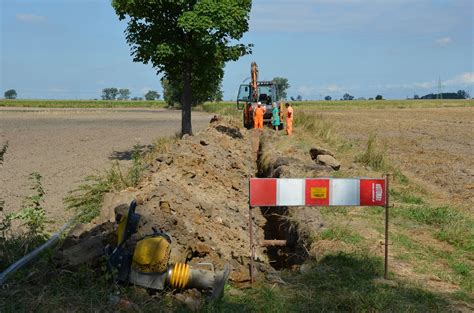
(461,94)
(113,93)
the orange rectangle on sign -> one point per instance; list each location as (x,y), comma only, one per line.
(317,192)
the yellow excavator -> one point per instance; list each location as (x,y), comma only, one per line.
(255,92)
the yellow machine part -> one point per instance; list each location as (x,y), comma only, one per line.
(179,276)
(121,229)
(151,255)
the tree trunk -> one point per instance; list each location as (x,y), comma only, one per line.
(186,99)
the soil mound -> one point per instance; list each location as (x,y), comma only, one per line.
(197,193)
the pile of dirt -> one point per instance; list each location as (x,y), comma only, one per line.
(197,193)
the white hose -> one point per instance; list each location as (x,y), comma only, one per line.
(33,254)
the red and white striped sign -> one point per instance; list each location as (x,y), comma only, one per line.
(317,192)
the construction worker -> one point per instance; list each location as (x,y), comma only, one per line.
(289,119)
(258,116)
(275,116)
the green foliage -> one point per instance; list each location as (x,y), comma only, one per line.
(188,41)
(374,156)
(124,94)
(152,95)
(282,86)
(378,97)
(109,93)
(87,199)
(32,212)
(10,94)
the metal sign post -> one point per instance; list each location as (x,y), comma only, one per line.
(385,275)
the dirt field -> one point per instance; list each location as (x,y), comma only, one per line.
(66,145)
(434,145)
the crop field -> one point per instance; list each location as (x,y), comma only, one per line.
(81,103)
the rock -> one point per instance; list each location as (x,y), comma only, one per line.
(85,251)
(328,160)
(214,119)
(204,143)
(314,152)
(114,201)
(191,298)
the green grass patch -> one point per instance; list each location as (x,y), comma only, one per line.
(338,283)
(341,234)
(316,125)
(405,197)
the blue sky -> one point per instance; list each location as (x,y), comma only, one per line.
(68,49)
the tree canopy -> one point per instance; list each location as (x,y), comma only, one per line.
(281,85)
(124,94)
(188,41)
(347,96)
(10,94)
(109,93)
(152,95)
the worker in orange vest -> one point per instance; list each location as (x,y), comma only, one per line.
(289,119)
(258,116)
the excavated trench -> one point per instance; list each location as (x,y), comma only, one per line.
(282,242)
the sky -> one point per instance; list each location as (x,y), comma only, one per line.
(72,49)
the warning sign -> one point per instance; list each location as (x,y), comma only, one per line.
(372,192)
(317,192)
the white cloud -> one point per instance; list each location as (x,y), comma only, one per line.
(463,79)
(443,42)
(313,91)
(372,16)
(30,18)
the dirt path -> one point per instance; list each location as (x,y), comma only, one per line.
(66,145)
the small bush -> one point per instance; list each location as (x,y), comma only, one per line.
(374,156)
(32,212)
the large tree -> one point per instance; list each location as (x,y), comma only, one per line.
(188,41)
(282,85)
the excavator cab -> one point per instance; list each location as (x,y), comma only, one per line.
(243,96)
